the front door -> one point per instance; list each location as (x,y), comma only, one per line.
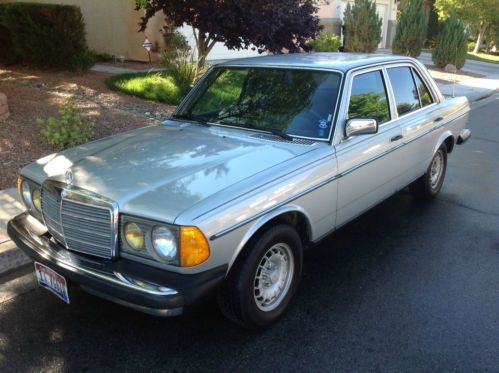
(368,164)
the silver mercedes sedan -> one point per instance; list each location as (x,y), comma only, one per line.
(264,157)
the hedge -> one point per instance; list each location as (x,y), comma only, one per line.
(45,35)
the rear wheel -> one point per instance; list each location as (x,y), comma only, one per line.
(264,278)
(429,185)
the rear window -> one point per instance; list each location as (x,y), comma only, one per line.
(404,89)
(424,93)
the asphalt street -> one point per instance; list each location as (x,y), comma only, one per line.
(410,286)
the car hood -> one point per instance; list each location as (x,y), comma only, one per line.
(160,171)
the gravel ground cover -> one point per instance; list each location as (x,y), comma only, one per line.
(36,94)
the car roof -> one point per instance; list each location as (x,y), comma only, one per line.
(334,61)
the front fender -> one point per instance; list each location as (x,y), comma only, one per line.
(260,222)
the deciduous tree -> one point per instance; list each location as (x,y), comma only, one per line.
(478,13)
(272,25)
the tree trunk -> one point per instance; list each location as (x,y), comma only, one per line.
(483,28)
(204,45)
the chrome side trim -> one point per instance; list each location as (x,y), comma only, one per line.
(464,135)
(266,183)
(327,181)
(264,212)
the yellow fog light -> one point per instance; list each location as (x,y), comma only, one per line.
(134,236)
(37,199)
(194,248)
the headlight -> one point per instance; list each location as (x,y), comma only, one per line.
(31,195)
(134,236)
(164,243)
(36,198)
(26,194)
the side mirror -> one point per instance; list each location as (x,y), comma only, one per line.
(361,126)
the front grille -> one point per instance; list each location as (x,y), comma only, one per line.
(51,211)
(82,227)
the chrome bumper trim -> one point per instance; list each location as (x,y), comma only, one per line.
(464,135)
(167,312)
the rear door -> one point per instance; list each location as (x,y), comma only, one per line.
(416,115)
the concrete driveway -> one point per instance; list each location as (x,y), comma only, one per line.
(409,286)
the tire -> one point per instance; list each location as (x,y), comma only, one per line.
(428,186)
(245,296)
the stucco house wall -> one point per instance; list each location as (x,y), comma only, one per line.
(111,26)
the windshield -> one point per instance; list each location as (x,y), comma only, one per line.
(287,101)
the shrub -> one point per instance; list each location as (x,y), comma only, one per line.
(432,31)
(71,130)
(362,27)
(411,30)
(184,71)
(325,42)
(175,44)
(45,35)
(7,54)
(451,43)
(102,56)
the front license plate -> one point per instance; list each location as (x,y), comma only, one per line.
(52,281)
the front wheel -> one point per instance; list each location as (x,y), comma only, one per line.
(429,185)
(264,278)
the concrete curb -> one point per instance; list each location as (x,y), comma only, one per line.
(11,257)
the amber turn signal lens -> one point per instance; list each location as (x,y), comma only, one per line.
(19,182)
(194,248)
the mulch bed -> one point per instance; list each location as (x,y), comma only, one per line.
(34,94)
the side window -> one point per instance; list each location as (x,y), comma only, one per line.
(424,93)
(404,90)
(368,98)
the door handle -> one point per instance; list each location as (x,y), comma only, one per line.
(396,138)
(439,119)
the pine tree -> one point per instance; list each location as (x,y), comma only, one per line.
(451,43)
(411,30)
(362,27)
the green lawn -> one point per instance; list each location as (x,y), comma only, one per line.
(156,86)
(484,57)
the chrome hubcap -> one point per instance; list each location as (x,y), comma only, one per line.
(436,168)
(273,277)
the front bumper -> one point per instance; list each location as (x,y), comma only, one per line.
(144,288)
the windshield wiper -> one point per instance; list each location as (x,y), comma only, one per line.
(279,133)
(273,131)
(193,118)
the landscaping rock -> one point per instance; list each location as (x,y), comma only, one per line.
(4,107)
(450,68)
